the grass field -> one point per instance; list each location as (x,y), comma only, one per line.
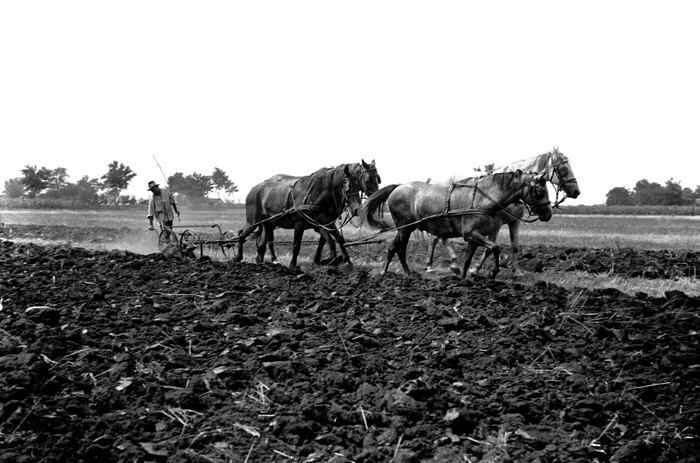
(588,231)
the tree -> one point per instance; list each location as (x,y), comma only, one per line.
(14,188)
(619,196)
(87,190)
(193,188)
(35,180)
(177,183)
(58,178)
(649,193)
(689,196)
(117,179)
(222,183)
(673,193)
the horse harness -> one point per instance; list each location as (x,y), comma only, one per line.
(558,187)
(366,171)
(481,210)
(304,206)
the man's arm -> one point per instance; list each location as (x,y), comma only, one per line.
(151,211)
(173,203)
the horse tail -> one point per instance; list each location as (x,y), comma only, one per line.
(374,208)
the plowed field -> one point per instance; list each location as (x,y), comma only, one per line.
(108,355)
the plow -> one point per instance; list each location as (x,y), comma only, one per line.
(191,244)
(210,240)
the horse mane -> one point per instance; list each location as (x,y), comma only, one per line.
(503,179)
(327,177)
(536,161)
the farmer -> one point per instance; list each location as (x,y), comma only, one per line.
(161,205)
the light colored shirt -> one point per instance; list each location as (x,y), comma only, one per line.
(161,206)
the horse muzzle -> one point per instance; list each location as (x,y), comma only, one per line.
(545,214)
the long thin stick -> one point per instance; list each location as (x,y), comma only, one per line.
(160,168)
(364,418)
(398,446)
(26,416)
(247,457)
(648,385)
(344,346)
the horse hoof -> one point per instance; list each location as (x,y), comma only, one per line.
(456,270)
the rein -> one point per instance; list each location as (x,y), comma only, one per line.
(300,209)
(557,187)
(474,210)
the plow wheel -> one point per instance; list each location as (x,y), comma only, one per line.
(190,245)
(166,238)
(228,246)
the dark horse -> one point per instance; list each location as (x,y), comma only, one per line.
(314,201)
(369,179)
(460,209)
(558,172)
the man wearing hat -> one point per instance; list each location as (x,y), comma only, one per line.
(162,205)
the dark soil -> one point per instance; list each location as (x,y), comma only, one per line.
(113,356)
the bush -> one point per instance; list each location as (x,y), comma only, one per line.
(628,210)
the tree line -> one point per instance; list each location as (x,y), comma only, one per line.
(45,183)
(646,193)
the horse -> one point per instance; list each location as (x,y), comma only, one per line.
(313,201)
(557,171)
(461,209)
(369,179)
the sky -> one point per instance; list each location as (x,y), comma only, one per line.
(426,89)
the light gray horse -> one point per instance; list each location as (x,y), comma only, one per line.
(462,209)
(557,170)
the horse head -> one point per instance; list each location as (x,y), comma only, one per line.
(369,178)
(561,174)
(536,195)
(351,192)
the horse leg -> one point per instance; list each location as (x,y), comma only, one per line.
(271,245)
(487,252)
(296,246)
(476,239)
(431,253)
(334,235)
(319,249)
(323,238)
(242,235)
(514,228)
(398,246)
(265,235)
(454,261)
(471,249)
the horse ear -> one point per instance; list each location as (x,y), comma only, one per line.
(518,173)
(347,169)
(364,164)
